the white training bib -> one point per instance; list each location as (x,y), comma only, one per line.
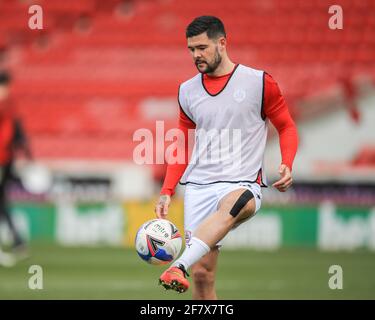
(231,134)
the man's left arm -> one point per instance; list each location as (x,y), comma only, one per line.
(276,110)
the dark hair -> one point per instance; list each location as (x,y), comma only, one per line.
(210,24)
(4,78)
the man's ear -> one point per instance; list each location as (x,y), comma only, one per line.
(222,43)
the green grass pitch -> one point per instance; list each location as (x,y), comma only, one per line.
(117,273)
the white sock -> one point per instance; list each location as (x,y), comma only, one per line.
(193,252)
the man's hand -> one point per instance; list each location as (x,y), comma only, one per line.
(286,179)
(161,209)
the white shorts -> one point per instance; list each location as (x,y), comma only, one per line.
(200,201)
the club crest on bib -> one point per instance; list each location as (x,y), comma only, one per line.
(187,237)
(239,95)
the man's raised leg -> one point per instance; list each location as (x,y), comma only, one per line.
(233,209)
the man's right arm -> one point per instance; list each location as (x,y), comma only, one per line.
(174,170)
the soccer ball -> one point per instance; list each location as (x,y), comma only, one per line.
(158,242)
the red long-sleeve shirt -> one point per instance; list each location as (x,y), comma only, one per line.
(274,108)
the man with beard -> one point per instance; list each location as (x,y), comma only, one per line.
(222,190)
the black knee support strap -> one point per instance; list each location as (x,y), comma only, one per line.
(244,198)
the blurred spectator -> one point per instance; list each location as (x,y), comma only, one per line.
(3,54)
(83,24)
(125,9)
(42,41)
(12,140)
(350,93)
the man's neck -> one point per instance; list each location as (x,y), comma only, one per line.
(225,67)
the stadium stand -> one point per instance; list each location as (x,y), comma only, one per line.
(80,93)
